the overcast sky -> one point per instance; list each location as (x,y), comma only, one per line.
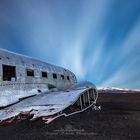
(99,40)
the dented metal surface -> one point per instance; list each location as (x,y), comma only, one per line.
(47,106)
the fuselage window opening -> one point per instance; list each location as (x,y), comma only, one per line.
(44,74)
(62,77)
(9,73)
(68,78)
(54,75)
(30,72)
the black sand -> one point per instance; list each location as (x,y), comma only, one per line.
(119,119)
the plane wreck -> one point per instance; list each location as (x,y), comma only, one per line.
(32,89)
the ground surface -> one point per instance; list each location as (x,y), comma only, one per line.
(119,119)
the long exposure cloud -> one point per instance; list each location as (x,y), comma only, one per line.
(97,39)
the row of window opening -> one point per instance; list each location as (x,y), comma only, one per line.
(9,73)
(45,74)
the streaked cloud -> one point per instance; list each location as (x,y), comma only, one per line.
(97,40)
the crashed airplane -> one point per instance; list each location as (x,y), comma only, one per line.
(32,89)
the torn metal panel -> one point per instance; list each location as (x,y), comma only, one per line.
(48,106)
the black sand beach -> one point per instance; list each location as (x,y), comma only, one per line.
(118,119)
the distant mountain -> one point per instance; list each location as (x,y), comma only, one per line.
(116,90)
